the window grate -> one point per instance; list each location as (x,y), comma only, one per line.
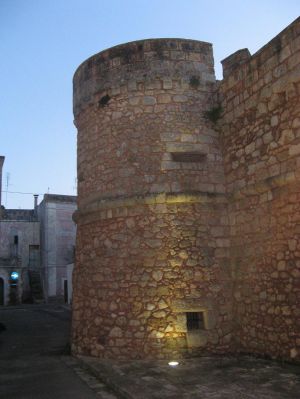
(195,321)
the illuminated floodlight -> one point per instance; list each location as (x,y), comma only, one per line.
(173,363)
(14,275)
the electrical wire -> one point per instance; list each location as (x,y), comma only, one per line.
(19,192)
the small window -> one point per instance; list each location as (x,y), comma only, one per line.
(104,100)
(195,321)
(16,240)
(188,156)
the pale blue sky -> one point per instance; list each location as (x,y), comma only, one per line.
(42,42)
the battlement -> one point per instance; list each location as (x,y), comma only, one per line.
(143,62)
(260,133)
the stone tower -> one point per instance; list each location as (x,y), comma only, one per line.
(152,273)
(189,190)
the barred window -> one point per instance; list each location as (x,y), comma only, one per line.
(195,321)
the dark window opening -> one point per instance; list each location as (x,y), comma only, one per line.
(194,82)
(66,291)
(104,100)
(1,291)
(188,156)
(195,321)
(16,240)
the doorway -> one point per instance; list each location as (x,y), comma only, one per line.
(1,291)
(66,291)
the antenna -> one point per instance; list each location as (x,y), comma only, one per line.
(7,185)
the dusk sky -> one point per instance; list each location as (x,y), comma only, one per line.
(42,42)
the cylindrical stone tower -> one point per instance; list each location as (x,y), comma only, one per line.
(151,277)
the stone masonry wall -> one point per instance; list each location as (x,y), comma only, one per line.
(180,213)
(142,266)
(157,92)
(152,237)
(261,140)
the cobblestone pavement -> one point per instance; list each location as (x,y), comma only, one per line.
(241,377)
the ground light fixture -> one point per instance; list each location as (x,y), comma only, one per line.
(173,363)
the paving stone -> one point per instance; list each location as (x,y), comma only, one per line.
(203,378)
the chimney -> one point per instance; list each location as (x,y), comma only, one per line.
(36,196)
(1,166)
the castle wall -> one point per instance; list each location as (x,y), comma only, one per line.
(180,214)
(261,138)
(152,226)
(157,93)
